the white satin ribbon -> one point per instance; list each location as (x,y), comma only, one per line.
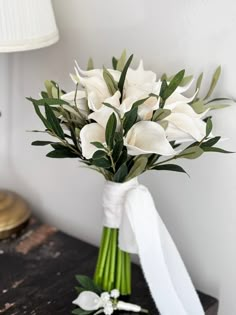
(130,207)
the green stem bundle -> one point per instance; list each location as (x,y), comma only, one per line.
(113,268)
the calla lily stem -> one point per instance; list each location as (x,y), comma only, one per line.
(113,270)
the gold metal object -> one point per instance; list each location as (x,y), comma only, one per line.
(14,213)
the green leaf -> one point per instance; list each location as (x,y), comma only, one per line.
(198,106)
(209,127)
(87,283)
(216,106)
(186,80)
(121,61)
(140,102)
(122,159)
(121,174)
(80,311)
(138,167)
(90,65)
(110,82)
(49,85)
(98,145)
(41,143)
(98,155)
(198,84)
(110,130)
(40,115)
(123,76)
(44,94)
(169,167)
(130,118)
(172,86)
(114,63)
(163,123)
(214,81)
(161,114)
(48,101)
(117,149)
(164,86)
(102,162)
(191,153)
(215,149)
(62,154)
(53,122)
(210,142)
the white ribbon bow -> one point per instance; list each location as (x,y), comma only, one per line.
(130,207)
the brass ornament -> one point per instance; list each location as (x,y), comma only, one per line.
(14,213)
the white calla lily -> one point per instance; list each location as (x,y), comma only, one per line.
(184,123)
(91,133)
(140,76)
(88,301)
(148,137)
(78,99)
(102,115)
(193,128)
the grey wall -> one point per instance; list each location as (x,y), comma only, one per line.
(170,35)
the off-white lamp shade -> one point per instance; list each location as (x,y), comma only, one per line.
(26,25)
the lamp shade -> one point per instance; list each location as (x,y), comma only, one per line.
(26,25)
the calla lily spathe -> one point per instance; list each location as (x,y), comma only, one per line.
(88,301)
(91,133)
(77,99)
(184,124)
(147,137)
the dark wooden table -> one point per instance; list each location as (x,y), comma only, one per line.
(37,270)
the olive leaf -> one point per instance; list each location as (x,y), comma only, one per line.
(214,81)
(110,130)
(198,85)
(53,122)
(186,80)
(209,127)
(110,82)
(160,114)
(168,89)
(121,61)
(121,174)
(130,118)
(138,167)
(90,65)
(190,153)
(123,76)
(169,167)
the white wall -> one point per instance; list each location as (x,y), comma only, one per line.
(170,35)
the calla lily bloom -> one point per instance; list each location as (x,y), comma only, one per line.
(78,99)
(91,133)
(102,115)
(148,137)
(184,123)
(88,301)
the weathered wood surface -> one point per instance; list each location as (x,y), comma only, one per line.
(37,271)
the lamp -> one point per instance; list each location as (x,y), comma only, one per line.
(24,25)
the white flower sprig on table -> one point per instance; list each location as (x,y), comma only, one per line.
(106,303)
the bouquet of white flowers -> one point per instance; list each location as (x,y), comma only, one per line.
(122,122)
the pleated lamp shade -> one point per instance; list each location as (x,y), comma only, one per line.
(26,25)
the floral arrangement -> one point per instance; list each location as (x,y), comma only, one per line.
(123,122)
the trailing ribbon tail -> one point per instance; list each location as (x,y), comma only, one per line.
(143,232)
